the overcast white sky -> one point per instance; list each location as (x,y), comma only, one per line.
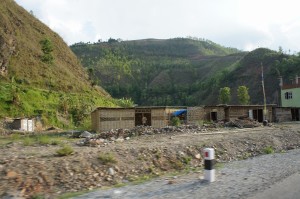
(243,24)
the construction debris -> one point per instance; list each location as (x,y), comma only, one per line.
(243,123)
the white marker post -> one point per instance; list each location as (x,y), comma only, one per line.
(209,161)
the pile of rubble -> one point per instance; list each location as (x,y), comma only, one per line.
(243,123)
(119,135)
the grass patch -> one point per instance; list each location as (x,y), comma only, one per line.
(49,140)
(44,140)
(219,165)
(28,141)
(33,139)
(65,150)
(158,154)
(55,142)
(283,151)
(268,150)
(73,194)
(38,196)
(120,185)
(186,159)
(245,156)
(15,137)
(5,140)
(107,158)
(141,179)
(177,164)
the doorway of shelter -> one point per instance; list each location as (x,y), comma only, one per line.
(214,116)
(142,119)
(227,114)
(258,115)
(295,114)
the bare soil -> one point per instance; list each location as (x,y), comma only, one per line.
(30,171)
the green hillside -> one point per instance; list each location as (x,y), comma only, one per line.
(39,75)
(183,71)
(156,72)
(249,73)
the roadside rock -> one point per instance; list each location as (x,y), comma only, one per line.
(86,134)
(11,174)
(111,171)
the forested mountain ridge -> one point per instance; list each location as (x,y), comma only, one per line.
(40,75)
(155,72)
(183,71)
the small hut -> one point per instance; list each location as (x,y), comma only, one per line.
(23,124)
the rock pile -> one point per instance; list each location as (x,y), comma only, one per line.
(120,135)
(243,123)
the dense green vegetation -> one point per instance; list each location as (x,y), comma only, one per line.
(158,72)
(183,71)
(53,107)
(250,70)
(287,67)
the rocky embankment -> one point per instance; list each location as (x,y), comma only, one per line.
(262,177)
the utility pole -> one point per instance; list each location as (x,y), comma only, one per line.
(263,87)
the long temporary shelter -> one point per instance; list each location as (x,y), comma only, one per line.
(229,112)
(196,115)
(104,119)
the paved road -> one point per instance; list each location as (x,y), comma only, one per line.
(266,176)
(288,188)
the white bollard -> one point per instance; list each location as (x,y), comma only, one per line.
(209,161)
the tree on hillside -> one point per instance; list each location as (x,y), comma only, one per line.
(47,49)
(280,50)
(224,95)
(112,40)
(243,95)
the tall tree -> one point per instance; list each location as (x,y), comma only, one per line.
(243,95)
(224,95)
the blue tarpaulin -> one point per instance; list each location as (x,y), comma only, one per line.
(179,112)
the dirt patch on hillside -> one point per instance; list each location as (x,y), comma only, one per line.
(28,171)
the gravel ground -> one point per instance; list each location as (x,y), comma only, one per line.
(238,179)
(36,170)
